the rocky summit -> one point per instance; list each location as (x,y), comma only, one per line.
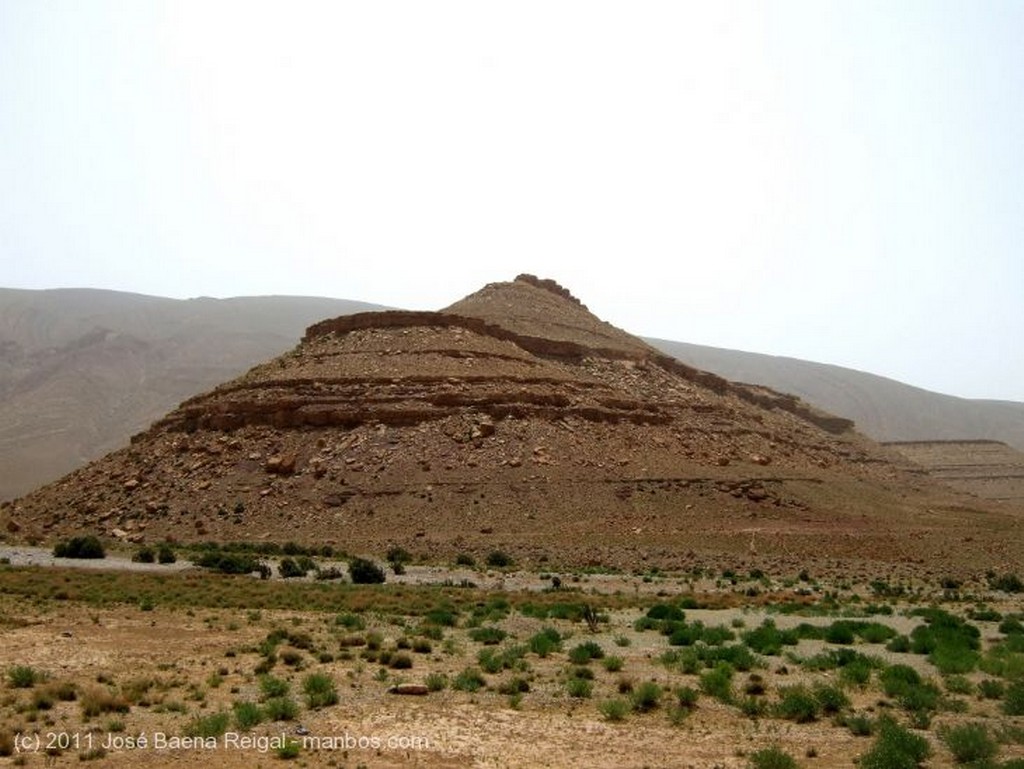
(516,420)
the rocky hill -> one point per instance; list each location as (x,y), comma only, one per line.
(82,370)
(515,420)
(883,408)
(987,469)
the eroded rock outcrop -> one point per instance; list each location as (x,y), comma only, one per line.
(513,419)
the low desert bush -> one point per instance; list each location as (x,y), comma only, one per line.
(717,682)
(797,703)
(895,748)
(364,572)
(469,680)
(213,725)
(23,677)
(80,547)
(247,715)
(646,696)
(771,758)
(281,709)
(614,709)
(969,743)
(320,690)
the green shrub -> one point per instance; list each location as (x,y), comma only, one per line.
(469,680)
(612,664)
(876,633)
(442,617)
(288,750)
(1013,704)
(80,547)
(1008,583)
(545,642)
(896,678)
(717,682)
(768,639)
(229,563)
(436,682)
(666,611)
(859,725)
(320,690)
(991,689)
(213,725)
(895,748)
(840,633)
(364,572)
(904,684)
(350,621)
(271,687)
(951,660)
(645,697)
(900,645)
(771,758)
(919,699)
(488,635)
(737,656)
(959,685)
(23,677)
(515,685)
(165,555)
(857,672)
(1011,626)
(687,634)
(752,707)
(247,715)
(687,697)
(969,743)
(830,698)
(490,660)
(584,652)
(579,688)
(289,568)
(494,660)
(797,703)
(397,554)
(950,643)
(615,709)
(646,623)
(982,614)
(281,709)
(583,672)
(498,559)
(144,555)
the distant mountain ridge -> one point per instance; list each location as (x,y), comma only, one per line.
(81,370)
(882,408)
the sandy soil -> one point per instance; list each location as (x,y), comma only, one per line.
(181,653)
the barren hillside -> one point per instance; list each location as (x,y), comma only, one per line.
(514,420)
(81,370)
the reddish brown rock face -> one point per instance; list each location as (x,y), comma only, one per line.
(514,419)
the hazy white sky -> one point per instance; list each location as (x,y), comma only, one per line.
(836,181)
